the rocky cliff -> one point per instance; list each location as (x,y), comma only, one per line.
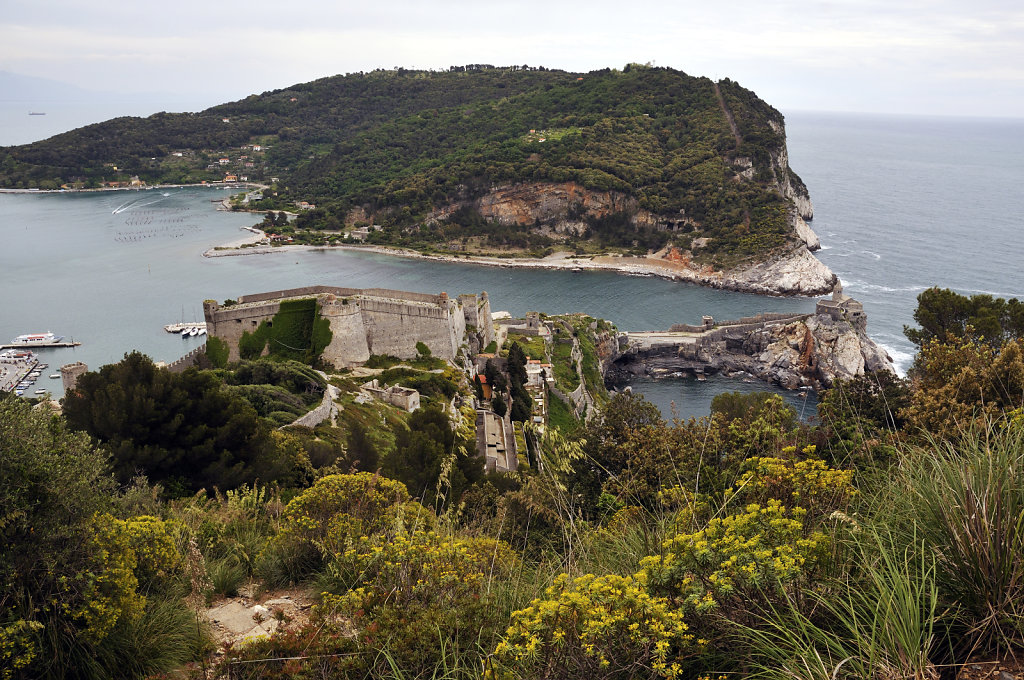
(562,209)
(811,350)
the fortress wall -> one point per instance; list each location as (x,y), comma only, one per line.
(310,291)
(470,309)
(485,323)
(348,345)
(399,295)
(363,321)
(228,323)
(395,328)
(305,291)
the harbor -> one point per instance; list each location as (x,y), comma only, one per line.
(37,345)
(19,371)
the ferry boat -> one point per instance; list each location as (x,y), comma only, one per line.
(37,339)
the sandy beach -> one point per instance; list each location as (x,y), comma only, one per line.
(634,266)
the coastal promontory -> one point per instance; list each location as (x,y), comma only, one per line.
(689,175)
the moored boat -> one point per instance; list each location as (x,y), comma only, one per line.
(37,339)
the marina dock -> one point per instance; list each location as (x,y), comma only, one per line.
(37,345)
(13,373)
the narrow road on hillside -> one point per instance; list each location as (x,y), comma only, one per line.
(728,114)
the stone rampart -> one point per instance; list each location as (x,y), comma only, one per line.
(228,323)
(312,291)
(363,321)
(758,320)
(325,410)
(194,358)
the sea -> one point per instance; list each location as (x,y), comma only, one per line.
(901,204)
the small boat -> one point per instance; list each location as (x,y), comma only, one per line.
(185,332)
(54,376)
(202,331)
(44,365)
(40,391)
(193,331)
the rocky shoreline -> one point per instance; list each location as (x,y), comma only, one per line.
(804,351)
(796,273)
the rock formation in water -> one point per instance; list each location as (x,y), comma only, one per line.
(802,350)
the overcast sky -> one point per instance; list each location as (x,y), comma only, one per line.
(946,57)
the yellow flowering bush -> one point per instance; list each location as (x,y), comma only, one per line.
(419,566)
(363,496)
(810,484)
(402,593)
(17,649)
(596,627)
(327,518)
(156,553)
(108,589)
(734,557)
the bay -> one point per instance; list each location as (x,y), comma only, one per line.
(111,268)
(901,204)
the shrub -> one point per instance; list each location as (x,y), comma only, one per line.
(409,594)
(737,558)
(324,518)
(596,627)
(810,484)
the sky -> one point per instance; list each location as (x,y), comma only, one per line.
(934,57)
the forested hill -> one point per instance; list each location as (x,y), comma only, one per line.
(400,145)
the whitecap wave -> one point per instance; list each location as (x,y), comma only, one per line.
(993,293)
(876,288)
(824,247)
(872,254)
(901,360)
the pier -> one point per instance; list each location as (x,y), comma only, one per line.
(12,373)
(37,345)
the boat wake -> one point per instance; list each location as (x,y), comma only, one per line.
(131,205)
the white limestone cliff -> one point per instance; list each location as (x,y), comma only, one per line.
(795,273)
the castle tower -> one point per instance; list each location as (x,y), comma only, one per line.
(70,373)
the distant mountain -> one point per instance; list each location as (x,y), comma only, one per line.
(15,87)
(640,158)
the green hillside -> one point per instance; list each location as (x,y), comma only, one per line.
(399,144)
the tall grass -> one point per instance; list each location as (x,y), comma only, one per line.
(879,625)
(964,500)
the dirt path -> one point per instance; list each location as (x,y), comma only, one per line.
(728,114)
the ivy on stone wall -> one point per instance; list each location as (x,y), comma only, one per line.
(296,332)
(320,335)
(217,351)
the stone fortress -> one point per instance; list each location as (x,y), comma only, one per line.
(366,321)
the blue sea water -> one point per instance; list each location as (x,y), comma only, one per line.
(901,204)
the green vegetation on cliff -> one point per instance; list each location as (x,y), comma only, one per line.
(393,146)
